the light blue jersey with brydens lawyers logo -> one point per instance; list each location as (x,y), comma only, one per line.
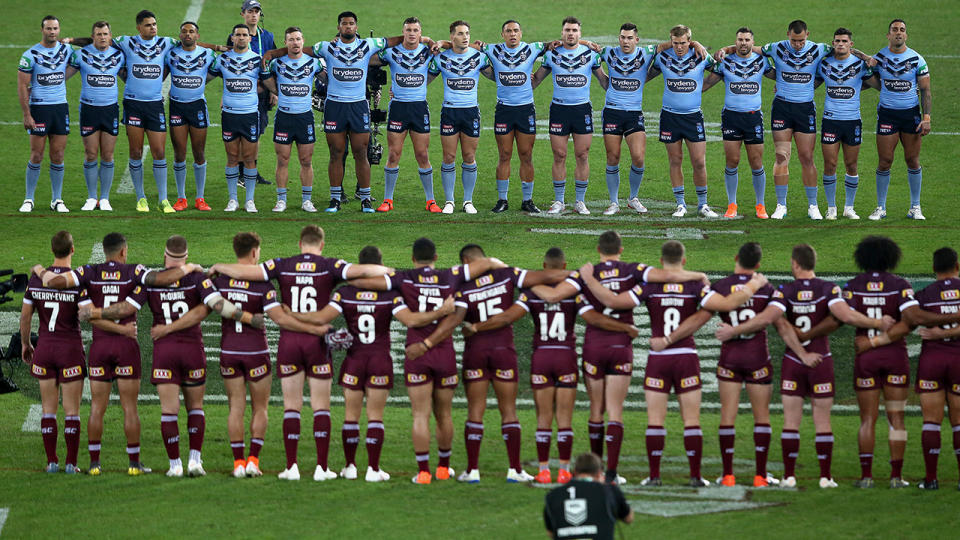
(682,80)
(347,65)
(188,73)
(843,80)
(47,69)
(99,74)
(240,73)
(408,71)
(628,74)
(145,58)
(796,70)
(898,77)
(743,78)
(461,76)
(295,82)
(512,69)
(571,69)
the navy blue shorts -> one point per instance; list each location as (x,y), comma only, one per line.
(676,127)
(339,116)
(464,120)
(620,122)
(193,114)
(849,132)
(94,118)
(412,115)
(742,126)
(50,119)
(293,128)
(146,115)
(890,121)
(522,118)
(567,119)
(800,117)
(240,125)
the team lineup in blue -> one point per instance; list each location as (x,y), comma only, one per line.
(332,76)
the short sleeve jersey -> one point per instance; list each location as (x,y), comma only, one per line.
(941,297)
(618,276)
(743,80)
(754,345)
(461,76)
(57,309)
(295,79)
(99,74)
(306,281)
(145,60)
(899,73)
(47,68)
(796,70)
(486,296)
(240,73)
(682,80)
(876,294)
(512,68)
(571,69)
(408,71)
(843,80)
(553,324)
(252,297)
(806,303)
(347,65)
(669,304)
(188,72)
(368,315)
(424,289)
(108,283)
(168,304)
(628,74)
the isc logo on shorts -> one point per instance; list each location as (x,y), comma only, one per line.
(568,378)
(896,379)
(473,373)
(74,371)
(38,371)
(306,267)
(414,378)
(538,379)
(227,371)
(875,286)
(788,385)
(366,295)
(287,369)
(238,284)
(323,369)
(865,382)
(162,374)
(689,381)
(258,371)
(378,380)
(624,368)
(350,379)
(724,372)
(673,287)
(653,383)
(804,295)
(124,371)
(823,388)
(952,294)
(196,373)
(929,385)
(452,380)
(761,373)
(504,373)
(97,371)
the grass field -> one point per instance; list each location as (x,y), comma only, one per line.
(38,505)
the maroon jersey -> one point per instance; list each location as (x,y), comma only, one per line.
(170,303)
(941,297)
(424,289)
(745,345)
(668,305)
(108,283)
(618,276)
(806,302)
(368,315)
(305,281)
(876,294)
(553,324)
(57,309)
(486,296)
(250,296)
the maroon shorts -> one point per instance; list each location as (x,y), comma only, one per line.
(881,367)
(797,379)
(553,367)
(736,366)
(114,357)
(600,362)
(438,365)
(305,353)
(59,359)
(938,371)
(178,361)
(678,371)
(367,370)
(493,363)
(251,367)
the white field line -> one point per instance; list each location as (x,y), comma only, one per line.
(32,423)
(4,513)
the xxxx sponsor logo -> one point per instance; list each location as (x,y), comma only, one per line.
(38,371)
(452,380)
(97,371)
(350,379)
(788,385)
(823,388)
(162,374)
(866,382)
(287,369)
(471,374)
(653,382)
(896,379)
(323,369)
(228,371)
(259,371)
(414,378)
(504,373)
(929,385)
(689,382)
(379,380)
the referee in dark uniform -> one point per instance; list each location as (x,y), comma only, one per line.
(261,40)
(585,507)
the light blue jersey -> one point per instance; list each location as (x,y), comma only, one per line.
(796,70)
(461,76)
(899,74)
(571,69)
(682,80)
(99,73)
(408,71)
(145,58)
(743,78)
(628,74)
(188,73)
(240,73)
(843,80)
(512,68)
(295,82)
(47,69)
(347,65)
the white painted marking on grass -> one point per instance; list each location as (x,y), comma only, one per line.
(194,11)
(672,233)
(32,423)
(4,512)
(126,182)
(96,254)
